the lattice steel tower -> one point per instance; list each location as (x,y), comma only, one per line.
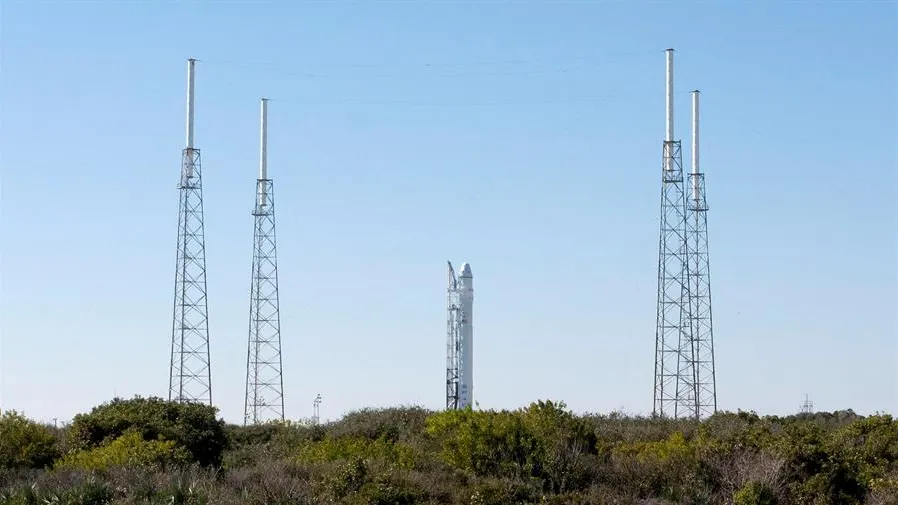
(675,377)
(189,372)
(453,344)
(264,378)
(460,339)
(700,285)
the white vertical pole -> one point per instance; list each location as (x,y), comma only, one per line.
(190,85)
(695,167)
(263,141)
(187,169)
(669,95)
(669,133)
(263,152)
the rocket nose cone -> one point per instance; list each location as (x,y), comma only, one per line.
(466,271)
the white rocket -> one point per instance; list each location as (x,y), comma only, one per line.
(466,337)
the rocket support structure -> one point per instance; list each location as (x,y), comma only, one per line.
(460,339)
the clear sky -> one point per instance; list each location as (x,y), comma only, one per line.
(522,137)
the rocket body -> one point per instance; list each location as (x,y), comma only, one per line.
(466,337)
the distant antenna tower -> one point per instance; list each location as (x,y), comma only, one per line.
(264,378)
(460,339)
(316,410)
(700,285)
(189,372)
(675,374)
(807,406)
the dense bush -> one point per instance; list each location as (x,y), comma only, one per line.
(347,448)
(192,426)
(542,442)
(25,443)
(146,451)
(128,450)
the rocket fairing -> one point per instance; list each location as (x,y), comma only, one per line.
(466,337)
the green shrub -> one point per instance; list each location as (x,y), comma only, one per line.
(870,445)
(563,446)
(484,443)
(884,490)
(727,431)
(249,445)
(754,493)
(344,449)
(500,492)
(190,425)
(252,435)
(349,478)
(388,491)
(25,443)
(670,469)
(129,450)
(393,424)
(543,441)
(541,454)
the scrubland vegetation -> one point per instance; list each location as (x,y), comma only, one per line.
(149,451)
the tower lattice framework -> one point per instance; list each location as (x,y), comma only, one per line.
(675,372)
(453,342)
(700,279)
(264,365)
(189,372)
(700,290)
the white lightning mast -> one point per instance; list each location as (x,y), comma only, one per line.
(700,288)
(675,385)
(189,369)
(191,64)
(669,134)
(264,365)
(263,151)
(695,169)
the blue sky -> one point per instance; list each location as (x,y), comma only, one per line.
(522,137)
